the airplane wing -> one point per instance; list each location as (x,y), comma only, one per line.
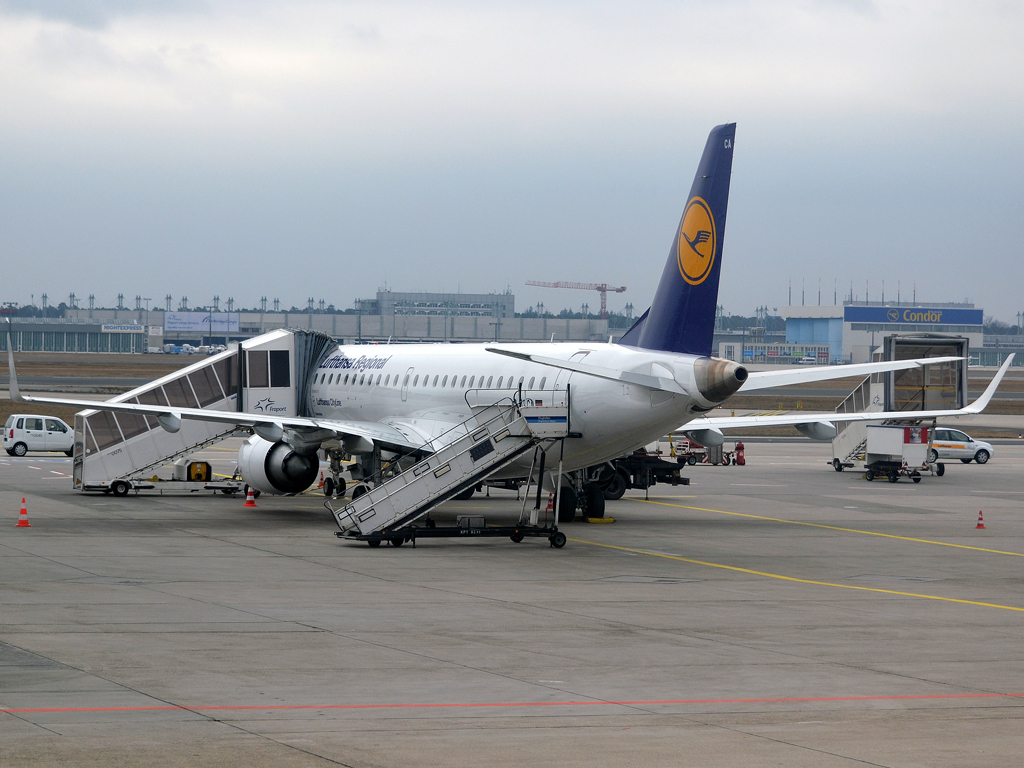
(268,427)
(734,422)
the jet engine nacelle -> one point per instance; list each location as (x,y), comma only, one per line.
(710,438)
(276,468)
(818,430)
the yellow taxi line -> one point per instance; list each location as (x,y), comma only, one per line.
(780,577)
(837,528)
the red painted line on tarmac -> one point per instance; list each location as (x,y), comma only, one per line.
(508,704)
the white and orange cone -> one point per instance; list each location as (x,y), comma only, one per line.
(23,517)
(250,499)
(981,522)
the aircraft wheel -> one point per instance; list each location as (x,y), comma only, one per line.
(593,500)
(328,486)
(567,505)
(616,487)
(557,539)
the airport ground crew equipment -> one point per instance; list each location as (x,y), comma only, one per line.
(402,492)
(934,387)
(895,451)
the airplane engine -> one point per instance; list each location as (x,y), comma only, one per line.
(276,468)
(818,430)
(707,437)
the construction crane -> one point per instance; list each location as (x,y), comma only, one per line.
(601,288)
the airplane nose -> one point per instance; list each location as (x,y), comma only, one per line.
(718,379)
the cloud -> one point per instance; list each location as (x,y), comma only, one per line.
(509,141)
(96,13)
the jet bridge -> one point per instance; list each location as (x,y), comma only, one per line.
(271,373)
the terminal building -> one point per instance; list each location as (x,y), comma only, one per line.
(390,317)
(850,332)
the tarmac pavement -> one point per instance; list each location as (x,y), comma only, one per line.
(774,614)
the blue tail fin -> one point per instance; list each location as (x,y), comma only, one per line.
(682,316)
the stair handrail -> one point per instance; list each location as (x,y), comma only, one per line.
(378,478)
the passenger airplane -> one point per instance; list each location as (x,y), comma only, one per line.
(659,377)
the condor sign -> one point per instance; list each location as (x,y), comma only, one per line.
(915,315)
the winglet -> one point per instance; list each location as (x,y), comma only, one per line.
(982,402)
(14,392)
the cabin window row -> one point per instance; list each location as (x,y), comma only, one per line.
(362,379)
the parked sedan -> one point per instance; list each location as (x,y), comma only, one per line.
(954,444)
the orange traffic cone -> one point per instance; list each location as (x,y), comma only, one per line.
(981,522)
(321,483)
(250,500)
(23,517)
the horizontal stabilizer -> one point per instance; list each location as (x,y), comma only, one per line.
(738,422)
(768,379)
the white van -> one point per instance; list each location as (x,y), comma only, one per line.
(29,432)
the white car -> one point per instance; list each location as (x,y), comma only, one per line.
(30,432)
(954,444)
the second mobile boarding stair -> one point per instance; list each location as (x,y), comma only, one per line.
(492,438)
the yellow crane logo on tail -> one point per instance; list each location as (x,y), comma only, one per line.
(697,241)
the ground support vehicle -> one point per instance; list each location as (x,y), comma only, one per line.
(467,526)
(641,469)
(188,477)
(894,451)
(31,432)
(717,455)
(950,443)
(689,452)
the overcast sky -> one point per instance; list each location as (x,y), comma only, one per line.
(325,149)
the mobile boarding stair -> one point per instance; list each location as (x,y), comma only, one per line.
(493,437)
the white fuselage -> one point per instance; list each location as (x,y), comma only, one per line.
(422,391)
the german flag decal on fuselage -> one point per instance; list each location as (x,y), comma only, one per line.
(697,240)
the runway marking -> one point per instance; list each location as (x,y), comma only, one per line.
(511,704)
(780,577)
(837,528)
(31,467)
